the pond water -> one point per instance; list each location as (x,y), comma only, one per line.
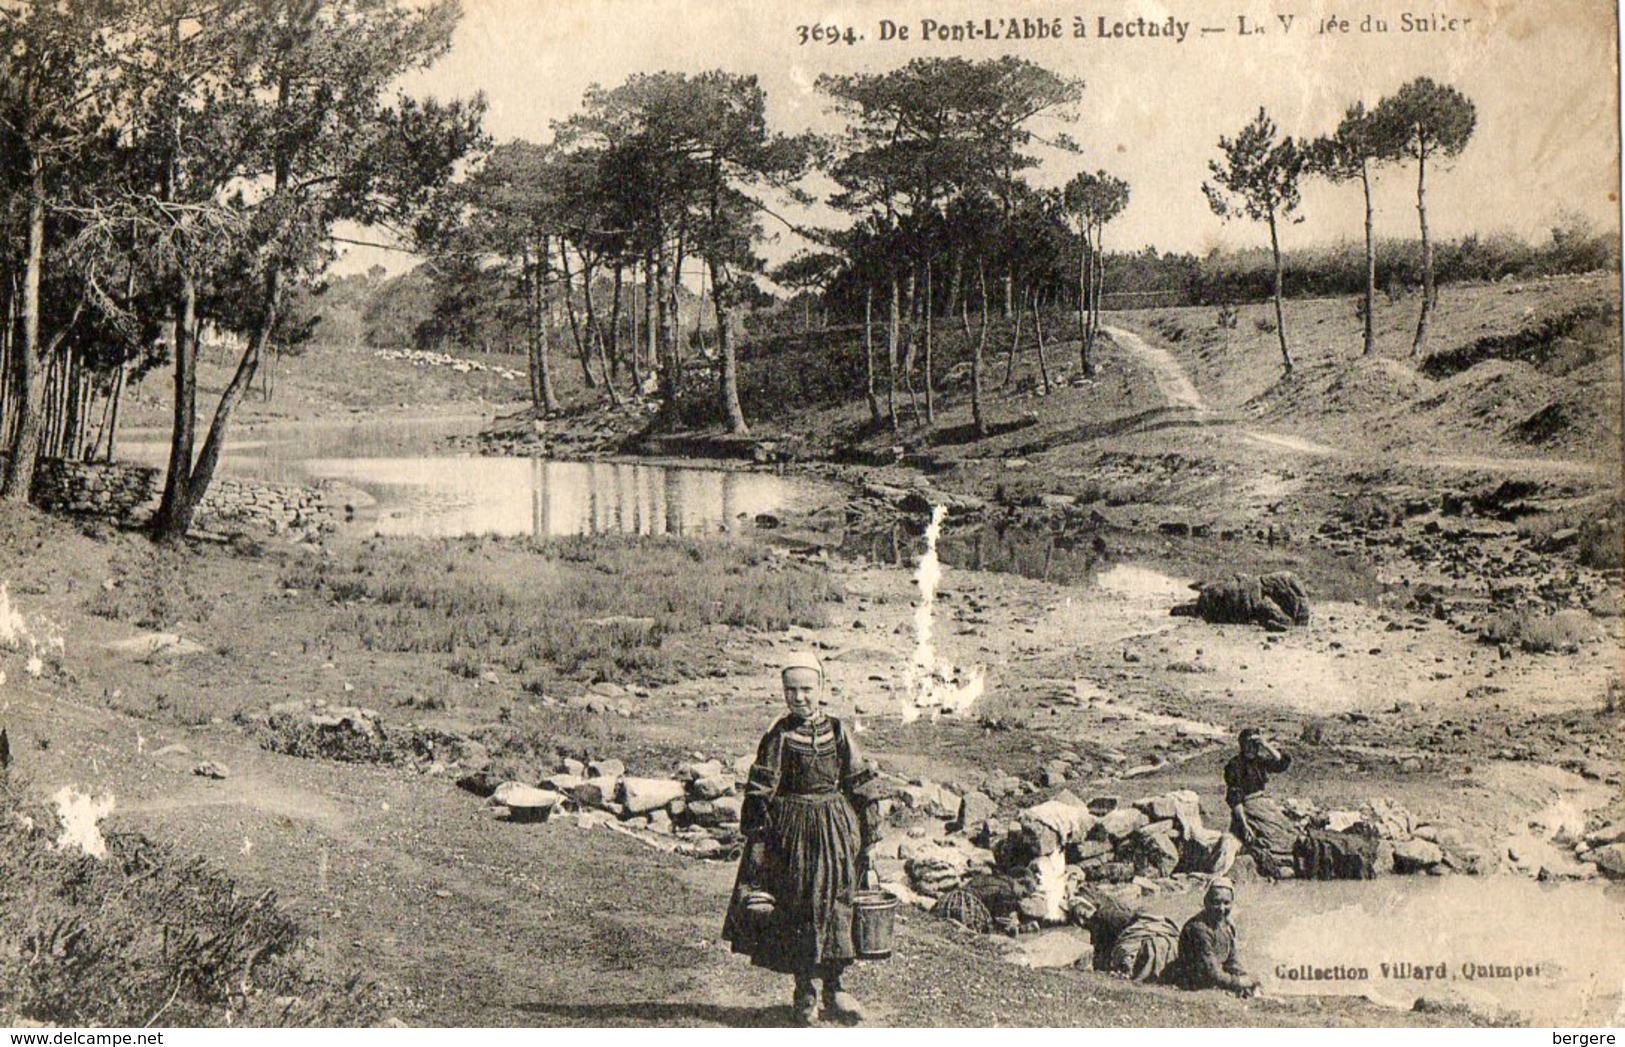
(407,489)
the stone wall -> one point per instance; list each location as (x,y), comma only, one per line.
(129,494)
(113,489)
(234,504)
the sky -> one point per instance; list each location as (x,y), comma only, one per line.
(1543,77)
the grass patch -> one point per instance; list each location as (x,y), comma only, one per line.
(1539,633)
(153,588)
(586,608)
(144,936)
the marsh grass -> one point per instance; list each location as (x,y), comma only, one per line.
(146,936)
(587,608)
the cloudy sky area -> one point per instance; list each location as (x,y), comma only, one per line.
(1542,75)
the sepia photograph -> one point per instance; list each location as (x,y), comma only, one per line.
(874,513)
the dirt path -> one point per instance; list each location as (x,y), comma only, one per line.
(1179,391)
(1172,381)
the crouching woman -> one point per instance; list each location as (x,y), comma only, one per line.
(808,823)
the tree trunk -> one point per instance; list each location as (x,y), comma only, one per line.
(892,335)
(595,335)
(956,284)
(1086,279)
(1015,343)
(732,409)
(667,365)
(1038,330)
(930,403)
(869,355)
(1429,291)
(651,333)
(30,392)
(533,320)
(213,444)
(1280,316)
(1370,262)
(544,351)
(614,347)
(173,515)
(978,416)
(583,348)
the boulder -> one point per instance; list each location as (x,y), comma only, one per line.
(642,795)
(1089,852)
(705,769)
(728,809)
(212,769)
(702,813)
(974,808)
(526,803)
(1183,807)
(1385,820)
(1119,824)
(1612,833)
(1152,850)
(564,783)
(660,822)
(606,769)
(711,786)
(1610,859)
(1416,855)
(595,792)
(569,765)
(1342,821)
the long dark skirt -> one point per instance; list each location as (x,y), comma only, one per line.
(810,868)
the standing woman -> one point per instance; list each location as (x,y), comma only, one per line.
(808,824)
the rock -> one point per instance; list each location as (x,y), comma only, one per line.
(1341,821)
(1182,807)
(526,803)
(975,807)
(705,769)
(212,769)
(1119,824)
(728,809)
(1612,833)
(606,769)
(595,792)
(1099,806)
(573,766)
(1152,850)
(564,783)
(1385,820)
(642,795)
(710,787)
(660,822)
(1610,859)
(1416,855)
(702,813)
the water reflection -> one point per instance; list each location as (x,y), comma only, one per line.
(418,492)
(452,496)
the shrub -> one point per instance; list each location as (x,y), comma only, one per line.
(145,936)
(1539,633)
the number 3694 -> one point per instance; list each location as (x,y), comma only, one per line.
(829,33)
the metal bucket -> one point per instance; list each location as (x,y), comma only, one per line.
(874,917)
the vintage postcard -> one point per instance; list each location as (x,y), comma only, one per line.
(935,513)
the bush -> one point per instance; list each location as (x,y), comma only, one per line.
(1539,633)
(144,937)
